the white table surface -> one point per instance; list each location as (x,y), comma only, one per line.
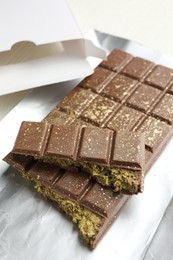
(145,21)
(148,22)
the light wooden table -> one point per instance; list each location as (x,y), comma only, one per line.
(148,22)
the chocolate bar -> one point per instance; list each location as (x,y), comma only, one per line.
(128,93)
(92,207)
(114,159)
(110,99)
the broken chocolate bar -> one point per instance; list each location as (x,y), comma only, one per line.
(105,100)
(92,207)
(114,159)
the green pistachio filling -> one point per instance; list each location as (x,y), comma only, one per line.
(87,222)
(120,179)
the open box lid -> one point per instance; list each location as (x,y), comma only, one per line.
(41,44)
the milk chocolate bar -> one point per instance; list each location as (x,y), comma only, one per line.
(126,93)
(114,158)
(91,206)
(110,99)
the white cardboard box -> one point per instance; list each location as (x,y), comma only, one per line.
(41,44)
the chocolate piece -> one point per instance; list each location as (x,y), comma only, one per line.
(91,206)
(98,110)
(114,159)
(124,119)
(45,173)
(137,68)
(72,184)
(116,60)
(104,203)
(143,97)
(98,79)
(62,143)
(96,146)
(19,161)
(76,101)
(119,88)
(164,109)
(128,150)
(38,132)
(156,129)
(160,77)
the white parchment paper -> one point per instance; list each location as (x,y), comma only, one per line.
(30,228)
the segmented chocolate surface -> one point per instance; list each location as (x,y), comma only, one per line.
(136,96)
(144,106)
(100,146)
